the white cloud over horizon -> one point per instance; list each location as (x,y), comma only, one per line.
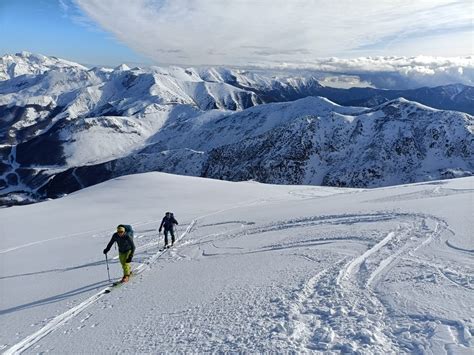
(386,44)
(247,32)
(398,72)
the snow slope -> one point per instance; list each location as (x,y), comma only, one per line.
(257,268)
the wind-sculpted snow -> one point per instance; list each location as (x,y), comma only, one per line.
(71,127)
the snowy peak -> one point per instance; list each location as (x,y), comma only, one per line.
(403,107)
(242,88)
(26,63)
(122,67)
(218,75)
(401,142)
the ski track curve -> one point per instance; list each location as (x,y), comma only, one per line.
(339,309)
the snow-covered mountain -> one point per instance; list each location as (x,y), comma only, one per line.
(448,97)
(257,268)
(309,141)
(26,63)
(64,127)
(456,97)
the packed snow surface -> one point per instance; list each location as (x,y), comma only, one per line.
(257,268)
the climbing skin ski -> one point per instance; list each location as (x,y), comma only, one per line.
(166,247)
(117,284)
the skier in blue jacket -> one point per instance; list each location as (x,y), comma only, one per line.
(168,223)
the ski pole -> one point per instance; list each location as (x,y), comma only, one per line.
(108,271)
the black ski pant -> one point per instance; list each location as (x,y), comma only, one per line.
(166,235)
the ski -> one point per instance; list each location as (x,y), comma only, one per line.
(166,247)
(116,284)
(113,285)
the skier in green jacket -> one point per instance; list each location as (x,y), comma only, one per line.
(126,249)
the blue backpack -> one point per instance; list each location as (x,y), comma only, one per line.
(128,229)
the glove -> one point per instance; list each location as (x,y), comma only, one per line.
(129,259)
(105,251)
(159,230)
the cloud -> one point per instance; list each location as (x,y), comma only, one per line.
(245,32)
(64,7)
(72,11)
(392,72)
(391,44)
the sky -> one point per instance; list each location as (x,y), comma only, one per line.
(238,32)
(431,38)
(59,28)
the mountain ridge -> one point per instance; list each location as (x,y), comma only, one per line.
(368,148)
(65,127)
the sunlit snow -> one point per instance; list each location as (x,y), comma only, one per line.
(257,268)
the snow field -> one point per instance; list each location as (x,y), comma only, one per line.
(261,268)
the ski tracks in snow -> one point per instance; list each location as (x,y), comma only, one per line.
(63,318)
(339,309)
